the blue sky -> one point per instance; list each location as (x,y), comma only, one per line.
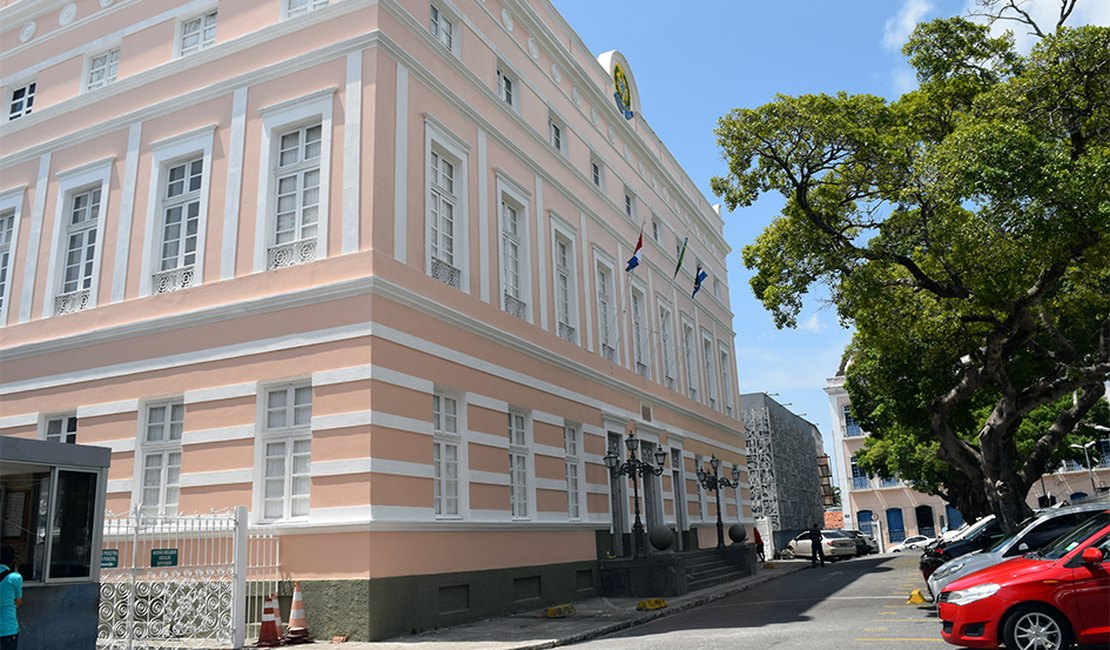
(695,60)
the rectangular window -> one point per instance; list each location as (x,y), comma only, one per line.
(690,359)
(442,28)
(726,383)
(23,99)
(574,490)
(161,447)
(287,481)
(445,414)
(102,69)
(605,312)
(639,332)
(81,236)
(442,200)
(62,428)
(707,358)
(180,224)
(666,342)
(596,173)
(629,205)
(71,554)
(851,427)
(446,478)
(7,226)
(566,298)
(518,464)
(298,7)
(297,196)
(555,135)
(198,33)
(288,408)
(510,260)
(505,87)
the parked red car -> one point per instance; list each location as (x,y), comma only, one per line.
(1042,601)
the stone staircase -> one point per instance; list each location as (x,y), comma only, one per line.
(705,568)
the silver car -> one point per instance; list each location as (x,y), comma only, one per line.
(1040,529)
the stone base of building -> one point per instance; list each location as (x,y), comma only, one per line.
(382,608)
(663,574)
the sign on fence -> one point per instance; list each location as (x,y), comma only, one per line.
(163,557)
(109,558)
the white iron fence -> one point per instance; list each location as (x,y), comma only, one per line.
(183,581)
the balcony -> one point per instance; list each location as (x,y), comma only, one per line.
(852,430)
(173,279)
(67,303)
(609,352)
(641,369)
(889,482)
(515,306)
(568,333)
(860,482)
(291,253)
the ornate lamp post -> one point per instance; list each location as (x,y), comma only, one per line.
(714,484)
(631,468)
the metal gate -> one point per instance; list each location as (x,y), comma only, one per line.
(181,581)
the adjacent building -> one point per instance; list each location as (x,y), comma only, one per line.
(784,454)
(360,266)
(893,510)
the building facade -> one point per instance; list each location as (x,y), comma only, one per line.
(893,510)
(784,465)
(360,266)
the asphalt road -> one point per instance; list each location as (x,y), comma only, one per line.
(858,603)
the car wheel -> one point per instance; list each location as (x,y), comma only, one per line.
(1035,628)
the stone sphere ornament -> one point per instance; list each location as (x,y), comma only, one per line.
(737,533)
(661,537)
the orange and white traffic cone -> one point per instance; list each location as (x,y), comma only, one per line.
(277,612)
(268,635)
(298,624)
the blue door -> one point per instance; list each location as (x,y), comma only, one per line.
(895,527)
(955,519)
(863,519)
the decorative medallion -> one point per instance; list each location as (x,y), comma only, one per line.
(28,32)
(643,169)
(533,49)
(611,134)
(623,94)
(653,186)
(594,117)
(507,19)
(104,4)
(627,153)
(575,96)
(555,74)
(67,14)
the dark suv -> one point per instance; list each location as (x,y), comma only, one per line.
(978,540)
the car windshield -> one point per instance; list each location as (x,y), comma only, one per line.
(989,529)
(1065,543)
(1008,538)
(973,529)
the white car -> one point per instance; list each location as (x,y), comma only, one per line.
(835,544)
(913,542)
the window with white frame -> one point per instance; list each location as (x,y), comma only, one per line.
(198,33)
(689,358)
(442,27)
(102,69)
(572,447)
(556,135)
(605,314)
(666,343)
(698,463)
(61,428)
(22,100)
(710,375)
(297,196)
(518,464)
(298,7)
(442,203)
(726,382)
(7,228)
(445,452)
(566,289)
(629,204)
(81,228)
(657,230)
(639,332)
(597,173)
(180,221)
(511,265)
(286,451)
(506,86)
(161,454)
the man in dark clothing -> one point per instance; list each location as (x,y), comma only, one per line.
(817,554)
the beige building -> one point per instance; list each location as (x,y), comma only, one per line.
(359,266)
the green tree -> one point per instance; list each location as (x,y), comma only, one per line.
(962,230)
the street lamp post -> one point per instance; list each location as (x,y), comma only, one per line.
(631,468)
(714,484)
(1090,471)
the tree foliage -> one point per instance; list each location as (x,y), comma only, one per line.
(962,230)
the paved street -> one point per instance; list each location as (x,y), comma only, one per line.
(860,603)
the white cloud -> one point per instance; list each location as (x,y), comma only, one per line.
(812,324)
(903,80)
(897,29)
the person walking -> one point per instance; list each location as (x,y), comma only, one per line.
(758,544)
(817,550)
(11,596)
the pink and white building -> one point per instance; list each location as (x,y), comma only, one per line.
(359,266)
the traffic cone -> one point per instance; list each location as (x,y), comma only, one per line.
(268,635)
(277,612)
(298,624)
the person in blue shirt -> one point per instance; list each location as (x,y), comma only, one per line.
(11,596)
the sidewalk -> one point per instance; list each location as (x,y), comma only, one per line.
(595,617)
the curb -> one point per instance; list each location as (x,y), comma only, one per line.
(659,613)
